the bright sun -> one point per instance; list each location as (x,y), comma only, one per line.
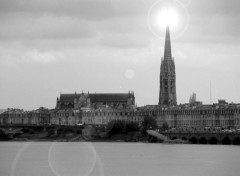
(167,17)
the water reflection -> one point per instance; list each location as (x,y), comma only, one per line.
(107,159)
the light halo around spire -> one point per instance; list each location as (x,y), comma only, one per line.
(168,17)
(168,12)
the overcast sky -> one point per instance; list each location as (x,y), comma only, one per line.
(107,46)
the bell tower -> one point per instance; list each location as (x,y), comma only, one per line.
(167,94)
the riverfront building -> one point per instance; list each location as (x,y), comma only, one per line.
(68,117)
(39,116)
(187,117)
(197,118)
(105,115)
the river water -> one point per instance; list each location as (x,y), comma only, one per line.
(117,159)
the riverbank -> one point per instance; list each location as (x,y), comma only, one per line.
(72,137)
(75,138)
(88,133)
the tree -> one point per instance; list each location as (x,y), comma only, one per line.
(121,126)
(148,123)
(115,127)
(164,126)
(130,127)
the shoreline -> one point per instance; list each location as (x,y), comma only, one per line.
(79,138)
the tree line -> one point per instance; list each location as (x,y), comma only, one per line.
(124,127)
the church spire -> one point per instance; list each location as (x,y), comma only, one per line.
(167,50)
(167,94)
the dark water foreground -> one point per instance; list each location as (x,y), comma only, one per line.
(117,159)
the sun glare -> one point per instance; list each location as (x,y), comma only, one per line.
(167,17)
(165,13)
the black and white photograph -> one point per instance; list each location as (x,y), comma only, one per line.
(119,87)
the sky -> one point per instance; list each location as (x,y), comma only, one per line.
(112,46)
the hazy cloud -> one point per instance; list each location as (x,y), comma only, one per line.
(94,42)
(41,57)
(206,8)
(214,21)
(91,9)
(44,27)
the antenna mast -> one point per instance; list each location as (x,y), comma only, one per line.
(210,92)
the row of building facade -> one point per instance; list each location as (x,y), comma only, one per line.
(182,117)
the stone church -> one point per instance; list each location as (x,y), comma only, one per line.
(96,100)
(167,95)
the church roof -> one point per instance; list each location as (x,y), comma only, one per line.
(68,97)
(97,97)
(119,97)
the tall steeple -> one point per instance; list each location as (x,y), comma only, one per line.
(167,93)
(167,50)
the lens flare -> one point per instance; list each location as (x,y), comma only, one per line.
(129,74)
(63,161)
(170,13)
(167,17)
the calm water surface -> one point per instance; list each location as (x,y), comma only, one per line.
(117,159)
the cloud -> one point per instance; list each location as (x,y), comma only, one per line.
(71,38)
(15,55)
(69,19)
(206,8)
(85,9)
(124,41)
(44,27)
(91,9)
(41,57)
(214,21)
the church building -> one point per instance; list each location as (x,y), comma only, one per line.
(96,100)
(167,95)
